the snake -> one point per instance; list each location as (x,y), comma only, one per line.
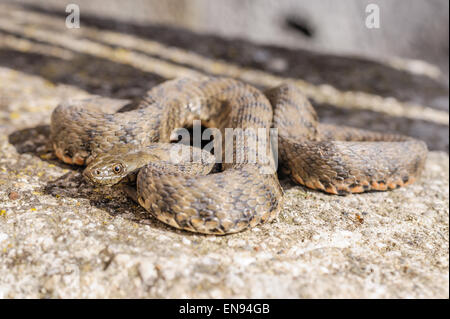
(200,191)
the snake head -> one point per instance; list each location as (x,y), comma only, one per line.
(119,162)
(106,170)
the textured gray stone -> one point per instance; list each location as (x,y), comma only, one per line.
(61,238)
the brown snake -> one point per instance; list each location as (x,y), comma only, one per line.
(135,146)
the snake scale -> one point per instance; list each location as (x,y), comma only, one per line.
(134,146)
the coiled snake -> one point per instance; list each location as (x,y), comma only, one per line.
(135,146)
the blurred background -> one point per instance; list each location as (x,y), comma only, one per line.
(394,78)
(414,29)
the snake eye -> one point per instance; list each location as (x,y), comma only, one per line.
(118,168)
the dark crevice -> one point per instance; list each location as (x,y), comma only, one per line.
(301,25)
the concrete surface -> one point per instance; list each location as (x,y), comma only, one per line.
(61,238)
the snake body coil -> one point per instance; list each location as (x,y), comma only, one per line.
(134,145)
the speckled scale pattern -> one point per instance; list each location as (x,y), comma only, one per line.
(334,159)
(221,203)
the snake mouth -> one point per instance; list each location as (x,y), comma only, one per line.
(89,176)
(94,177)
